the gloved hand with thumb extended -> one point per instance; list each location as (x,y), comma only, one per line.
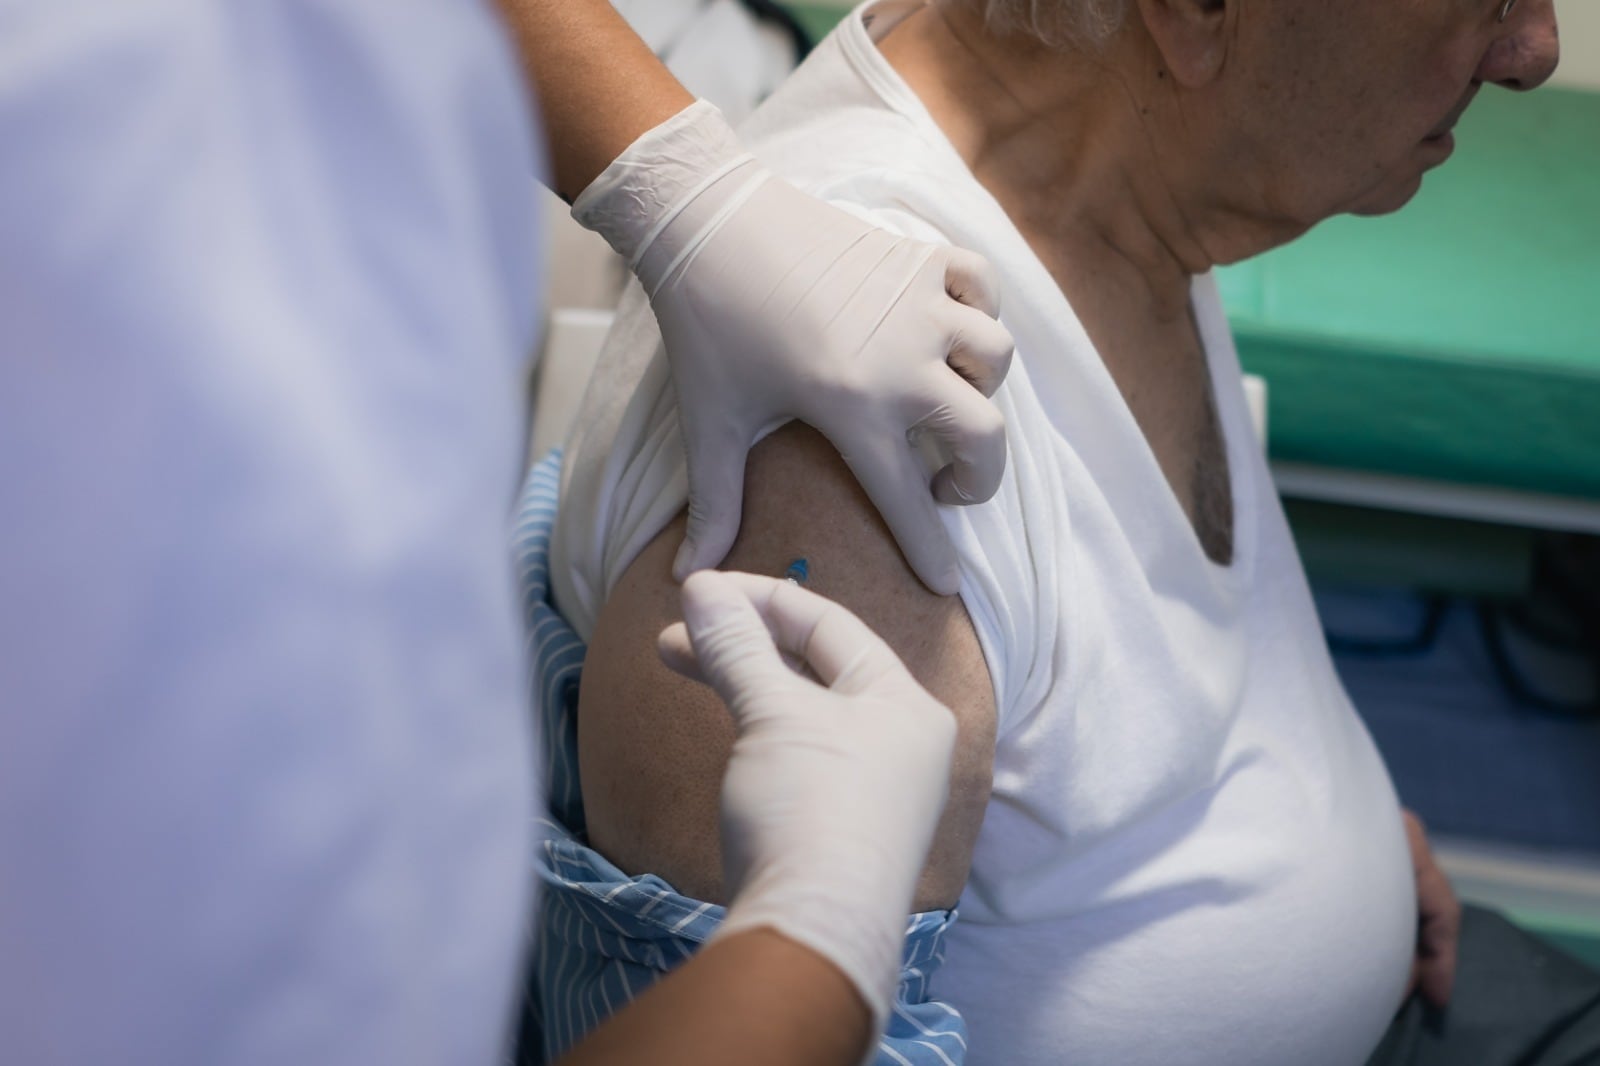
(834,786)
(775,306)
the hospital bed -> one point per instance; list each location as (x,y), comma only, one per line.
(1445,361)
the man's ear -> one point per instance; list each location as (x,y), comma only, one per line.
(1191,36)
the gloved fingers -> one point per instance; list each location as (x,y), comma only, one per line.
(972,432)
(677,652)
(715,452)
(969,279)
(893,478)
(732,648)
(840,649)
(980,350)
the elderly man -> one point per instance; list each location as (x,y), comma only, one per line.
(1172,838)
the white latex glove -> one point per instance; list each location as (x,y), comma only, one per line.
(774,306)
(833,790)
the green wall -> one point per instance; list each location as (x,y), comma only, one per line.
(818,19)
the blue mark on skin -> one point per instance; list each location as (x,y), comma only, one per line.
(797,572)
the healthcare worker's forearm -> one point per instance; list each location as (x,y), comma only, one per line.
(599,86)
(755,996)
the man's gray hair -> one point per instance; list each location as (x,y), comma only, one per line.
(1057,23)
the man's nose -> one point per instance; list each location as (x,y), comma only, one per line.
(1527,50)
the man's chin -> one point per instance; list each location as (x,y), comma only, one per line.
(1388,198)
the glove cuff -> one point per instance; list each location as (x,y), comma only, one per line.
(867,950)
(656,177)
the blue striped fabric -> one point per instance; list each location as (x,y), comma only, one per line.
(553,650)
(605,937)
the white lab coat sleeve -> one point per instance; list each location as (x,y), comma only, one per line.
(266,276)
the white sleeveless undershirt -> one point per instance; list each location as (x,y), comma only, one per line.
(1193,853)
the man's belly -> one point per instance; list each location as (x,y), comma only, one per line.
(1255,924)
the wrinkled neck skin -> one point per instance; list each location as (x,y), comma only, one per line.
(1095,156)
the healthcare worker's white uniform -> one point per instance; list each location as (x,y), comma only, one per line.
(265,284)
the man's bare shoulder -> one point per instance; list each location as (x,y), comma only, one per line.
(653,746)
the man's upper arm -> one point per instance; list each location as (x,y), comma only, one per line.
(653,745)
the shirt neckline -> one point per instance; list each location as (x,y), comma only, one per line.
(862,29)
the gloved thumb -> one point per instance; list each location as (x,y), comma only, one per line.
(733,650)
(893,478)
(715,458)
